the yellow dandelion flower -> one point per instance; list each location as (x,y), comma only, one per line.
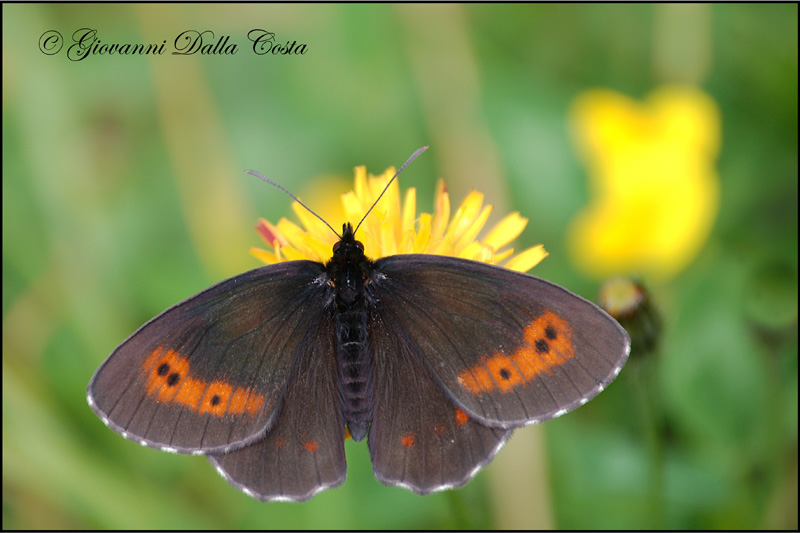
(655,191)
(393,227)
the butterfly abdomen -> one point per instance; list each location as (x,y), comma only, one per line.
(348,270)
(355,369)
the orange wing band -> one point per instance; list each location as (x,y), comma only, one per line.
(547,344)
(167,380)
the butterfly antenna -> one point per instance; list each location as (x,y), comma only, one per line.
(293,197)
(408,162)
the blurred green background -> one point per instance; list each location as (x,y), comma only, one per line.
(124,192)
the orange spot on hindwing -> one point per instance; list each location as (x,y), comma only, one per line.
(408,440)
(167,380)
(547,343)
(311,446)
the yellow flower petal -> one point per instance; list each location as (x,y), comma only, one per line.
(313,225)
(465,214)
(420,244)
(473,251)
(441,214)
(263,255)
(292,254)
(526,260)
(471,231)
(361,187)
(506,231)
(409,212)
(388,243)
(270,233)
(353,208)
(502,256)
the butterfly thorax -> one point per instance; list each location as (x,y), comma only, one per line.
(348,270)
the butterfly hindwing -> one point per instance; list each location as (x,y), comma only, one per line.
(509,348)
(209,374)
(303,452)
(419,439)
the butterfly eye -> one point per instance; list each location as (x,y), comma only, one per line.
(360,246)
(336,246)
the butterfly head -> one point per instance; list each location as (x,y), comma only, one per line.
(347,246)
(348,258)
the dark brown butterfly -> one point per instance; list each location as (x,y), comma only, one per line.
(435,360)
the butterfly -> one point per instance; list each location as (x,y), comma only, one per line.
(433,360)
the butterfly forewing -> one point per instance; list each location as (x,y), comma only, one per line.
(209,374)
(509,348)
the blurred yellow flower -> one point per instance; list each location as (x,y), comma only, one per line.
(654,187)
(394,228)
